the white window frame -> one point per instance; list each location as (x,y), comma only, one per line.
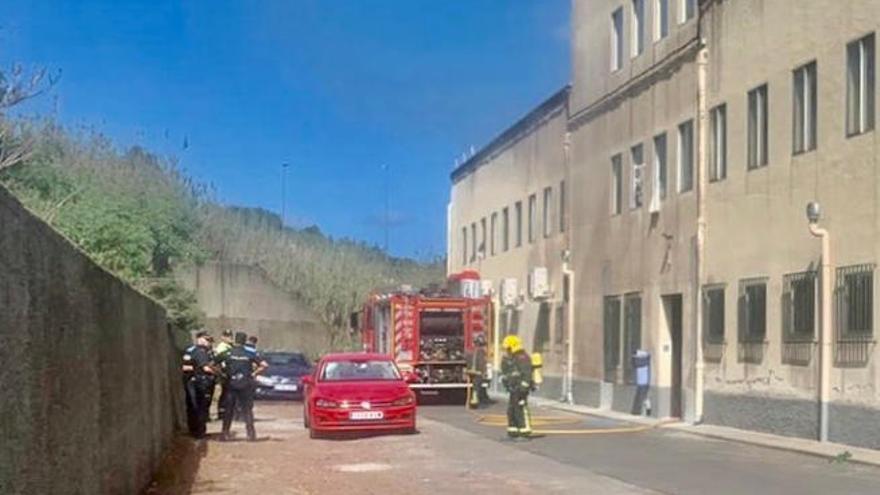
(547,223)
(661,19)
(718,143)
(804,108)
(616,184)
(637,176)
(505,229)
(685,186)
(758,127)
(860,85)
(533,217)
(637,27)
(683,5)
(661,164)
(617,48)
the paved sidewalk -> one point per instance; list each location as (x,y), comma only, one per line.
(828,450)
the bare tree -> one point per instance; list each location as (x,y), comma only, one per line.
(16,86)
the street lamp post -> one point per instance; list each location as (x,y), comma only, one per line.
(284,167)
(814,212)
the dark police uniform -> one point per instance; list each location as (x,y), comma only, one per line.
(199,386)
(517,378)
(238,367)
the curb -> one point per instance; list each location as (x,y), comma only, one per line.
(859,455)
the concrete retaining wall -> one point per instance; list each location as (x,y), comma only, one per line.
(91,394)
(242,297)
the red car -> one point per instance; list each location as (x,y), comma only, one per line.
(355,392)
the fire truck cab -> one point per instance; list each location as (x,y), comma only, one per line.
(429,333)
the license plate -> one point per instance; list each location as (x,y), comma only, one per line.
(365,415)
(286,388)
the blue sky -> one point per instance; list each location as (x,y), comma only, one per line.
(336,88)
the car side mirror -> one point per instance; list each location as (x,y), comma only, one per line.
(308,380)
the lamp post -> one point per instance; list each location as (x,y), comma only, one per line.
(284,167)
(814,213)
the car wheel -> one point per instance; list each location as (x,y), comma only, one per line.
(305,419)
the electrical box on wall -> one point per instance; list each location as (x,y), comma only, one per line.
(509,292)
(539,283)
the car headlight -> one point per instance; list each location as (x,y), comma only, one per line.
(326,404)
(265,380)
(404,401)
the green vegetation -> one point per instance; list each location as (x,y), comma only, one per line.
(137,215)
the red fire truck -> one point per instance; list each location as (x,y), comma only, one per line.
(428,333)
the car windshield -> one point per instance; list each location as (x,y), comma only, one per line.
(360,370)
(285,359)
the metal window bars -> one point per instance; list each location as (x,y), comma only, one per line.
(854,296)
(752,320)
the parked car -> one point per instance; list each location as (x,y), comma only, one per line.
(283,378)
(357,392)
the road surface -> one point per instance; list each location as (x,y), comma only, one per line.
(457,452)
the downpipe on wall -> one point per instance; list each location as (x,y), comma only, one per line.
(825,343)
(703,131)
(568,274)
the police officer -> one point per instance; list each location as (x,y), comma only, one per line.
(517,379)
(198,381)
(240,366)
(220,352)
(479,396)
(251,345)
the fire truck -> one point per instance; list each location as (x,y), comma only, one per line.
(428,332)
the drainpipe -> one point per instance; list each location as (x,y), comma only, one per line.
(568,390)
(702,157)
(825,336)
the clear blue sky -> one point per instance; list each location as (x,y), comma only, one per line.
(334,87)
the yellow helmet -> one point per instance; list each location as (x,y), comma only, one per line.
(511,343)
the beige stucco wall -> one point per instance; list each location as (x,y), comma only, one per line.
(523,167)
(756,222)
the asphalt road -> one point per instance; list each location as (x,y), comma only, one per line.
(668,461)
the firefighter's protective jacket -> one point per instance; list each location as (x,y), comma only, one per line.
(517,372)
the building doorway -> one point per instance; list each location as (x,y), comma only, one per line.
(672,311)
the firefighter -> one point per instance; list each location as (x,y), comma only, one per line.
(479,395)
(198,377)
(240,366)
(517,380)
(220,352)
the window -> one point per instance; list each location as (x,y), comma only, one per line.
(660,174)
(493,234)
(686,156)
(505,229)
(464,246)
(617,39)
(661,19)
(758,127)
(752,310)
(855,310)
(473,242)
(638,167)
(632,333)
(799,307)
(713,314)
(616,184)
(482,253)
(611,337)
(860,86)
(718,144)
(804,109)
(687,9)
(562,211)
(638,27)
(519,223)
(547,223)
(533,216)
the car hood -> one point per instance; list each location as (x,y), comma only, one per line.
(286,371)
(362,390)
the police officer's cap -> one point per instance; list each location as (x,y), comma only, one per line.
(240,338)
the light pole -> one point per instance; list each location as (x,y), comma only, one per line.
(814,212)
(284,167)
(387,222)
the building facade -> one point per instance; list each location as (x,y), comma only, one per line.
(692,137)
